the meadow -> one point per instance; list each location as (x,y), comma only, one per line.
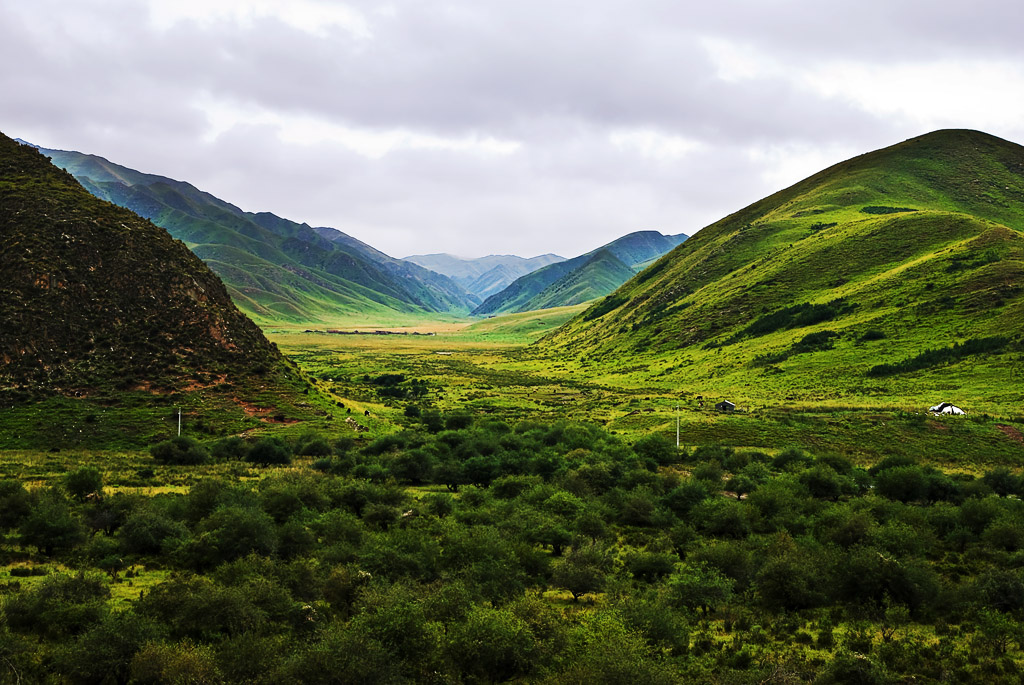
(511,517)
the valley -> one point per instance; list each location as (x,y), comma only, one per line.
(372,485)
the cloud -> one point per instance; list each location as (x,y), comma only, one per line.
(487,126)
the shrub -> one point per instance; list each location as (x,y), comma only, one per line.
(230,449)
(312,445)
(871,335)
(15,503)
(268,451)
(942,355)
(181,451)
(656,448)
(83,482)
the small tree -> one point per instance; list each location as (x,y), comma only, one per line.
(699,587)
(83,482)
(51,525)
(182,450)
(581,571)
(15,503)
(657,449)
(269,451)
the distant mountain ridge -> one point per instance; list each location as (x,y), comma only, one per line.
(484,276)
(274,268)
(559,284)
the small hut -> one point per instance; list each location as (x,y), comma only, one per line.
(725,405)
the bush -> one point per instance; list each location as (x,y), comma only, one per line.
(15,503)
(83,482)
(312,445)
(872,334)
(942,355)
(230,449)
(656,448)
(268,451)
(181,451)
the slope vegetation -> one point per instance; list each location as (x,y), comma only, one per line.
(909,259)
(559,285)
(102,308)
(275,269)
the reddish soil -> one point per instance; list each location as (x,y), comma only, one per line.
(264,414)
(1011,432)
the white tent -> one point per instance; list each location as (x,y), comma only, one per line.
(946,408)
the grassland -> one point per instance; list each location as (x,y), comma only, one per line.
(490,367)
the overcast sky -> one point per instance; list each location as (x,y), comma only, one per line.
(521,126)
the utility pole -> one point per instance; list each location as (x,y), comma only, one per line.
(179,425)
(677,426)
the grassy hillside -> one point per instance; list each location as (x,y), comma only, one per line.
(555,285)
(600,275)
(275,269)
(108,323)
(896,274)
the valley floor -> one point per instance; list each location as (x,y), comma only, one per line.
(491,367)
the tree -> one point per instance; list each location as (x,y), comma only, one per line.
(656,448)
(650,567)
(51,525)
(685,496)
(312,445)
(269,451)
(699,587)
(15,503)
(84,482)
(998,630)
(104,652)
(492,645)
(60,606)
(185,663)
(902,483)
(230,533)
(182,450)
(582,571)
(740,485)
(824,483)
(1002,481)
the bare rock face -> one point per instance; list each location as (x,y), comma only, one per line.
(92,295)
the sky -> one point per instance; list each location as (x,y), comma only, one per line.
(524,127)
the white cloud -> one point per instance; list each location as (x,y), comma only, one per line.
(311,16)
(983,94)
(479,126)
(309,130)
(652,144)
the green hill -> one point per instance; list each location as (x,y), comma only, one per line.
(275,269)
(601,274)
(556,285)
(897,274)
(106,315)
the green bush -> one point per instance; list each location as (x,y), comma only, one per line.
(180,451)
(268,452)
(84,482)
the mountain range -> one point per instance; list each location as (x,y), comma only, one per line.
(483,276)
(589,276)
(892,269)
(275,269)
